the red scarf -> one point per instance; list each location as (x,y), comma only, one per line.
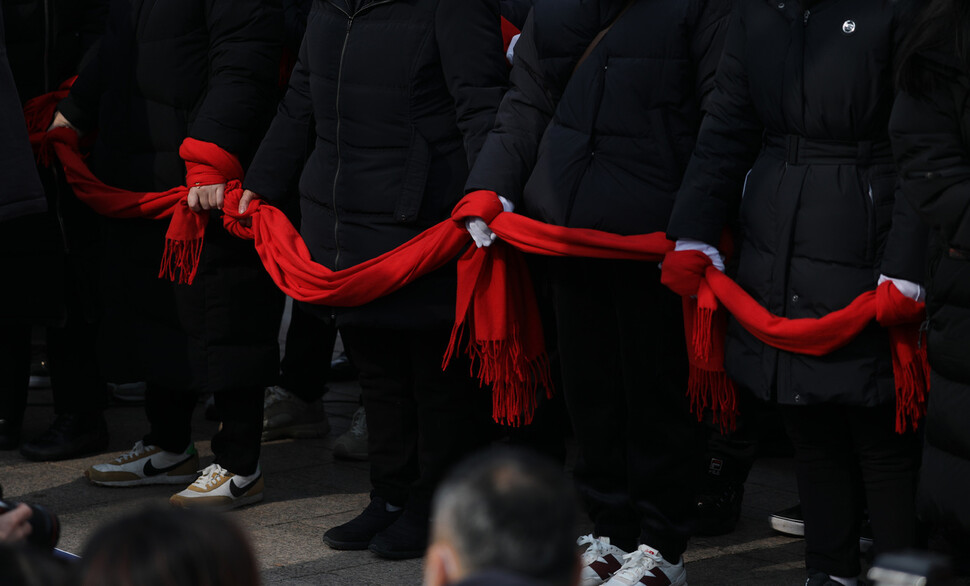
(495,302)
(690,273)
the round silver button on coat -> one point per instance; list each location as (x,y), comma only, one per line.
(848,27)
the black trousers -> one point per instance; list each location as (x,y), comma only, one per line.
(420,420)
(305,367)
(76,381)
(836,446)
(236,445)
(624,372)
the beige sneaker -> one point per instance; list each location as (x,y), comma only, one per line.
(286,415)
(219,489)
(146,465)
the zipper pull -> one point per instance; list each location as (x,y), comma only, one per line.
(924,329)
(350,23)
(805,16)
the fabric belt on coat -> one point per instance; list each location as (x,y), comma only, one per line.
(798,150)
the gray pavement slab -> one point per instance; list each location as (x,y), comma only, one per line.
(308,492)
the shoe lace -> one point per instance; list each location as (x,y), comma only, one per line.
(595,550)
(135,452)
(358,425)
(210,477)
(636,564)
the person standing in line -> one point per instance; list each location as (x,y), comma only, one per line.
(803,97)
(595,132)
(47,43)
(399,97)
(930,130)
(165,71)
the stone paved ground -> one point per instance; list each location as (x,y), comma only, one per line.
(307,492)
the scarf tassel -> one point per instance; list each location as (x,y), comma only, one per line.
(911,373)
(180,260)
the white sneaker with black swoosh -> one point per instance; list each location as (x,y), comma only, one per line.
(146,464)
(219,489)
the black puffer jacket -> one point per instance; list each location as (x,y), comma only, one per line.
(47,39)
(21,193)
(608,149)
(402,95)
(803,100)
(931,141)
(166,70)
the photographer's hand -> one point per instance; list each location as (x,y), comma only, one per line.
(15,524)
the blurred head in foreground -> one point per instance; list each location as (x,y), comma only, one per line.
(163,547)
(504,517)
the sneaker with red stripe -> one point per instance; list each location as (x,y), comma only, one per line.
(646,566)
(600,560)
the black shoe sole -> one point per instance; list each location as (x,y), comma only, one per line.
(41,456)
(390,554)
(345,545)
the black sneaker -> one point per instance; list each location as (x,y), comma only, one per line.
(789,521)
(70,436)
(820,579)
(405,539)
(358,532)
(718,511)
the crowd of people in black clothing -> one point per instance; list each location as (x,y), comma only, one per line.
(829,137)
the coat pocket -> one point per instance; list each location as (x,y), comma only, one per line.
(414,180)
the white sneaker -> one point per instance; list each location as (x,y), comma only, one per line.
(646,566)
(286,415)
(600,560)
(146,465)
(219,489)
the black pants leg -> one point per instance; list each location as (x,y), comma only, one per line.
(622,348)
(76,378)
(237,444)
(14,371)
(420,420)
(838,451)
(169,416)
(305,367)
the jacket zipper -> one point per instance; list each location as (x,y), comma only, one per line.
(805,16)
(336,175)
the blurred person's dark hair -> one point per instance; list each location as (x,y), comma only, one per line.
(162,547)
(23,565)
(509,511)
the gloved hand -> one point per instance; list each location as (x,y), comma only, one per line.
(688,244)
(478,229)
(914,291)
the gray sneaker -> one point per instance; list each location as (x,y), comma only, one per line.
(286,415)
(352,445)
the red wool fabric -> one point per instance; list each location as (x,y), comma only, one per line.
(496,313)
(691,273)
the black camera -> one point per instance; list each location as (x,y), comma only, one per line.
(45,529)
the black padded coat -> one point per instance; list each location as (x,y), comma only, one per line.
(604,147)
(167,70)
(931,141)
(399,96)
(803,98)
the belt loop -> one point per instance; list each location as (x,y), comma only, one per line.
(793,149)
(864,155)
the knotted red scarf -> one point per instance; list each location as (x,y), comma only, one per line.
(495,304)
(690,273)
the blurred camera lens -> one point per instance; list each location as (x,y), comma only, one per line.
(45,529)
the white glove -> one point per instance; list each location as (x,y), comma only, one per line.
(478,229)
(511,52)
(688,244)
(914,291)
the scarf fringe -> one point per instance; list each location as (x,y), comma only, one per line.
(714,391)
(702,336)
(515,378)
(912,388)
(180,260)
